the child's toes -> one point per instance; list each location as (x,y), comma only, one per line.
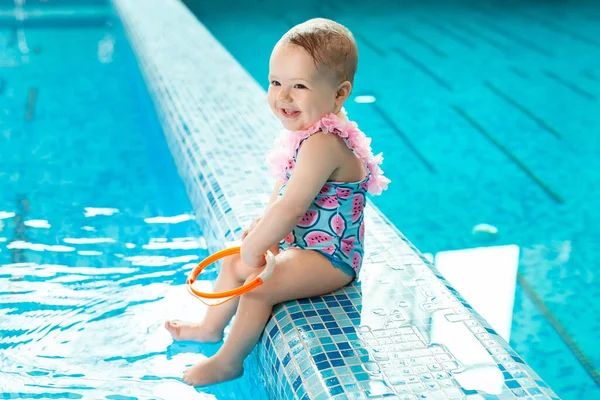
(173,328)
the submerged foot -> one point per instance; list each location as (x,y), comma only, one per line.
(195,331)
(209,371)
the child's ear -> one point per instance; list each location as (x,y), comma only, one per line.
(343,92)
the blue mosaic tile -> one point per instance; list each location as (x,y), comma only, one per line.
(328,373)
(338,363)
(323,365)
(336,390)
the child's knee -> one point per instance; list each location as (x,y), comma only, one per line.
(260,292)
(229,264)
(252,276)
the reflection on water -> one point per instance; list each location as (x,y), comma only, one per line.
(84,319)
(96,235)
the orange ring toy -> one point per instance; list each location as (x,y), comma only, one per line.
(222,297)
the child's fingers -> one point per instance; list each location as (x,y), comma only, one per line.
(274,249)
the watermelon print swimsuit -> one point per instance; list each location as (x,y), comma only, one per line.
(334,223)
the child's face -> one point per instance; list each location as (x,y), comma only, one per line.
(299,94)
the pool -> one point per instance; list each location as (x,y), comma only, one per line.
(489,109)
(97,233)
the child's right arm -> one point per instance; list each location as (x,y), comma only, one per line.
(318,158)
(275,247)
(275,193)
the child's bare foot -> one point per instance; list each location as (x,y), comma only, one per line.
(197,332)
(209,371)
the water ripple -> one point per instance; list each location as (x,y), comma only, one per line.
(90,320)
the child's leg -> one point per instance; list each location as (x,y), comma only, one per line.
(298,274)
(233,274)
(216,318)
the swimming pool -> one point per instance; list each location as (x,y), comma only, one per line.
(97,232)
(489,109)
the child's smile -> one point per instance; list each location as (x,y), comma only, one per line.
(289,112)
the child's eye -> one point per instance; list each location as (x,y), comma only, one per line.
(275,83)
(300,86)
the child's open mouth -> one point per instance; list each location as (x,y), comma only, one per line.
(290,113)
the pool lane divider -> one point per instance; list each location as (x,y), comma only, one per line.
(543,124)
(405,139)
(369,44)
(519,72)
(423,68)
(579,354)
(17,255)
(590,75)
(447,32)
(475,34)
(31,101)
(417,39)
(12,37)
(545,187)
(553,27)
(537,20)
(509,35)
(570,85)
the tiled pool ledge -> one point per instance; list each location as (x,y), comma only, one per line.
(401,332)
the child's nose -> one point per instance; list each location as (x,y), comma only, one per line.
(284,96)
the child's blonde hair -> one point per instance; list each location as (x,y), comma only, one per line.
(330,44)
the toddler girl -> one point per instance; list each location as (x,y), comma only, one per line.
(314,222)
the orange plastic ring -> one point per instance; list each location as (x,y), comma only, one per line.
(220,297)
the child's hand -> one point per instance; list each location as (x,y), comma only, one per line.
(252,260)
(249,229)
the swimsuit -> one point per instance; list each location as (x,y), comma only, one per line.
(334,223)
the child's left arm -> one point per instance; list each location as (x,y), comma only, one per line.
(318,158)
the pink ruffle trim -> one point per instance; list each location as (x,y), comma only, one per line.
(281,157)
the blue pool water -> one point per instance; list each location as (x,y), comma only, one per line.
(96,230)
(487,113)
